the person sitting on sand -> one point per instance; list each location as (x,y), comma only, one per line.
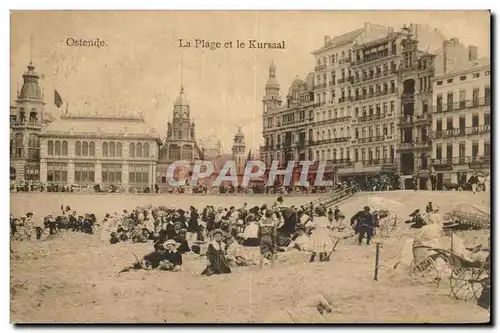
(149,261)
(301,242)
(183,243)
(172,258)
(217,263)
(235,252)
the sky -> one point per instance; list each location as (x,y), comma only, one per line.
(139,71)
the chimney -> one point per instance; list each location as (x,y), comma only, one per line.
(391,30)
(367,26)
(327,40)
(472,52)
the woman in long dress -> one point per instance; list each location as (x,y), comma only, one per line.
(217,262)
(320,239)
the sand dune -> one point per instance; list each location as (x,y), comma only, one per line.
(73,277)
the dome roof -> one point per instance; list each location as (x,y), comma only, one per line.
(239,134)
(30,89)
(181,100)
(272,83)
(297,82)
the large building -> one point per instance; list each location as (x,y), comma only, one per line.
(461,121)
(99,150)
(287,127)
(26,119)
(369,109)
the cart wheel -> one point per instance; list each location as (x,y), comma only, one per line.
(464,283)
(478,275)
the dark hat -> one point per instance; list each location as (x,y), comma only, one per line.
(280,199)
(366,209)
(320,210)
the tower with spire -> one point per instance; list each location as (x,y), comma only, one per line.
(239,148)
(26,125)
(180,143)
(272,98)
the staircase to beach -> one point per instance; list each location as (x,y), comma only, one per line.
(335,197)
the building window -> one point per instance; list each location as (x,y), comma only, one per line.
(487,95)
(439,103)
(487,73)
(57,148)
(463,78)
(105,149)
(462,99)
(439,152)
(475,75)
(475,120)
(85,148)
(112,149)
(78,148)
(449,81)
(31,172)
(356,155)
(487,149)
(50,148)
(119,149)
(449,100)
(138,174)
(145,150)
(91,148)
(65,148)
(19,145)
(84,173)
(138,150)
(475,149)
(475,97)
(131,150)
(57,172)
(487,119)
(439,83)
(393,106)
(111,173)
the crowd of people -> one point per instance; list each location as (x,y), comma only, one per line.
(225,235)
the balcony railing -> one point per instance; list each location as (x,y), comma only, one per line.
(422,144)
(382,161)
(331,83)
(339,161)
(332,140)
(333,121)
(376,116)
(459,132)
(373,57)
(340,81)
(471,103)
(381,93)
(320,68)
(461,160)
(371,139)
(25,123)
(483,129)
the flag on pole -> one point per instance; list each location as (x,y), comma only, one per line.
(57,99)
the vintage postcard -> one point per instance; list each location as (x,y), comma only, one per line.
(250,167)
